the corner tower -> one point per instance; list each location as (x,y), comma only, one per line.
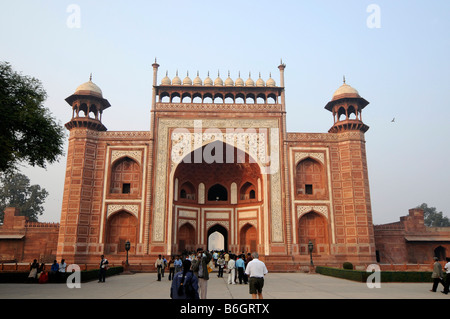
(353,224)
(78,235)
(87,107)
(346,106)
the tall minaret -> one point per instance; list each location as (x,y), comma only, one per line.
(155,67)
(78,211)
(350,175)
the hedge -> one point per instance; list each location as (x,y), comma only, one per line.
(86,275)
(386,276)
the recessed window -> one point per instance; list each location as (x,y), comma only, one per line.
(126,188)
(217,193)
(252,194)
(308,189)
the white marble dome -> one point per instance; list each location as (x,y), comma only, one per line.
(89,88)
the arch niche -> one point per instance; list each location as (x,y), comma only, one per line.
(122,226)
(213,230)
(313,227)
(219,200)
(248,238)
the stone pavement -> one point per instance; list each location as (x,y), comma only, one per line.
(277,286)
(285,294)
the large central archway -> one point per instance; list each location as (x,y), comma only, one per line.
(213,231)
(217,195)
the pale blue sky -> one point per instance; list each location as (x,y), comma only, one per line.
(401,68)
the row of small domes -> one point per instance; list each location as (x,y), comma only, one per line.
(218,81)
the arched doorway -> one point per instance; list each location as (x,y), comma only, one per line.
(121,227)
(216,241)
(313,227)
(217,197)
(186,238)
(439,252)
(248,238)
(222,231)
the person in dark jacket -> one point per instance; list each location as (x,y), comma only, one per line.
(200,269)
(184,283)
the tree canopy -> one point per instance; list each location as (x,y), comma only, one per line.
(16,191)
(433,218)
(28,133)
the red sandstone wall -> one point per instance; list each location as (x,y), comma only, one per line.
(27,240)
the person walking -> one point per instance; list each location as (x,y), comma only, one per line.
(163,266)
(231,266)
(158,265)
(240,266)
(447,276)
(437,275)
(256,270)
(200,269)
(184,283)
(171,266)
(221,265)
(178,264)
(102,268)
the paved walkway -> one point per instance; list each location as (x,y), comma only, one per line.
(277,286)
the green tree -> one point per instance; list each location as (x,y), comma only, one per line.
(433,218)
(16,191)
(28,133)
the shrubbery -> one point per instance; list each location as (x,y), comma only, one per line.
(86,275)
(347,265)
(386,276)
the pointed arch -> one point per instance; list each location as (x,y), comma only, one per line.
(121,227)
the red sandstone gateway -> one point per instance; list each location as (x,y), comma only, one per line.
(128,186)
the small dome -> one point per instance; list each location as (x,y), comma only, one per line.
(176,80)
(260,82)
(345,90)
(218,81)
(249,81)
(270,82)
(208,81)
(166,80)
(187,80)
(197,80)
(89,88)
(239,81)
(229,81)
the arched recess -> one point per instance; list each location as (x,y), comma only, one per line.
(248,238)
(247,191)
(217,192)
(440,253)
(125,177)
(121,227)
(313,227)
(187,191)
(186,237)
(310,179)
(220,229)
(342,114)
(221,172)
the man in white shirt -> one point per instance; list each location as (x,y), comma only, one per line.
(447,276)
(231,266)
(256,270)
